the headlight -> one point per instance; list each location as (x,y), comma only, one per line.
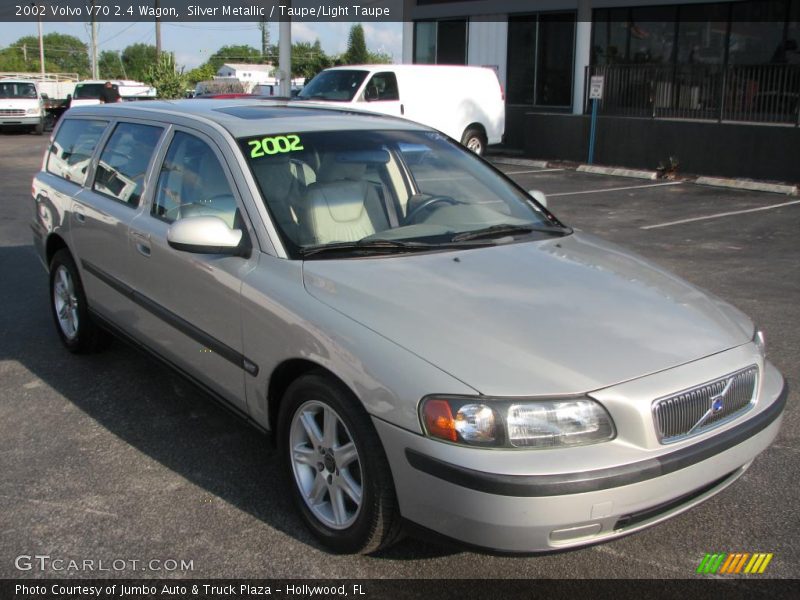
(33,111)
(500,423)
(760,342)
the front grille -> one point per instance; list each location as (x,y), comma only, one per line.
(695,410)
(12,112)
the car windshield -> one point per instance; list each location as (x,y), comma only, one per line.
(85,91)
(330,193)
(333,85)
(10,89)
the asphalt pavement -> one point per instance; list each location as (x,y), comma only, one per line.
(113,457)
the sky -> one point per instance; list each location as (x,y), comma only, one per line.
(194,42)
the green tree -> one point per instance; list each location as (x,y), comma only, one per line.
(379,58)
(235,54)
(138,58)
(110,65)
(163,76)
(62,53)
(308,59)
(202,73)
(356,53)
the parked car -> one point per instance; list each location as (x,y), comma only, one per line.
(427,342)
(466,103)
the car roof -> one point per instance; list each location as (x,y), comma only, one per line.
(244,118)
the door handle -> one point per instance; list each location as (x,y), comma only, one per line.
(142,242)
(402,109)
(80,216)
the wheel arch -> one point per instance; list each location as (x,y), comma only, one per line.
(54,243)
(475,125)
(284,375)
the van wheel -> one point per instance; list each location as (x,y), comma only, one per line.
(38,129)
(336,467)
(70,310)
(474,140)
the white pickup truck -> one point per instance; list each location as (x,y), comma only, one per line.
(87,93)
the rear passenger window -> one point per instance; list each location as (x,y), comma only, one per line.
(192,182)
(73,147)
(123,162)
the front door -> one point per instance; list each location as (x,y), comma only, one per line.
(194,299)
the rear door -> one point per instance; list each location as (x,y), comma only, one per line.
(193,300)
(101,215)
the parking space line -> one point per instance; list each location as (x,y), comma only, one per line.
(718,215)
(617,189)
(531,171)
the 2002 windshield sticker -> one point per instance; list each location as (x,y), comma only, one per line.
(277,144)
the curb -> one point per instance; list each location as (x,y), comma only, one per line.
(518,162)
(748,184)
(619,172)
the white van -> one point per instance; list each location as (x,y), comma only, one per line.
(466,103)
(21,104)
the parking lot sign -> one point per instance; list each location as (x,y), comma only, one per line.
(596,87)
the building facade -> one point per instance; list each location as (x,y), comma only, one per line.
(681,78)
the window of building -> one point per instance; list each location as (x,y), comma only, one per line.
(757,32)
(540,59)
(73,147)
(703,34)
(440,42)
(123,162)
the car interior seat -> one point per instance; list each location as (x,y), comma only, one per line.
(341,206)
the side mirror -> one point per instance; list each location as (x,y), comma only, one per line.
(204,235)
(371,93)
(538,196)
(45,96)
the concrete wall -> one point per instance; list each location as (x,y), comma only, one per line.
(702,148)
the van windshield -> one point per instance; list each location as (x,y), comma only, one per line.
(15,89)
(340,86)
(346,193)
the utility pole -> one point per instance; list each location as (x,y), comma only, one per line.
(264,27)
(95,66)
(41,48)
(285,56)
(158,33)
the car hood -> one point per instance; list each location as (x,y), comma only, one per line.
(556,316)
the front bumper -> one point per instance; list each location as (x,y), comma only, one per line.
(439,488)
(16,121)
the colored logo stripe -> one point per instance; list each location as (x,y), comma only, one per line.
(733,563)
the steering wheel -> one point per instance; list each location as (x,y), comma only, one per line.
(430,202)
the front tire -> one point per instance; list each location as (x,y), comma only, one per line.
(38,129)
(69,307)
(474,140)
(336,467)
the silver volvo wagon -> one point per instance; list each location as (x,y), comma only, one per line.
(429,344)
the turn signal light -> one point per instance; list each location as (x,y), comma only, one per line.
(439,420)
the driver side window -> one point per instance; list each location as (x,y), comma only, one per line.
(382,87)
(192,183)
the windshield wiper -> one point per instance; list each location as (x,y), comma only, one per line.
(494,231)
(374,245)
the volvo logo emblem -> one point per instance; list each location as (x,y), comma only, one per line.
(717,403)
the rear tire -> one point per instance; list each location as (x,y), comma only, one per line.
(336,467)
(74,325)
(474,140)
